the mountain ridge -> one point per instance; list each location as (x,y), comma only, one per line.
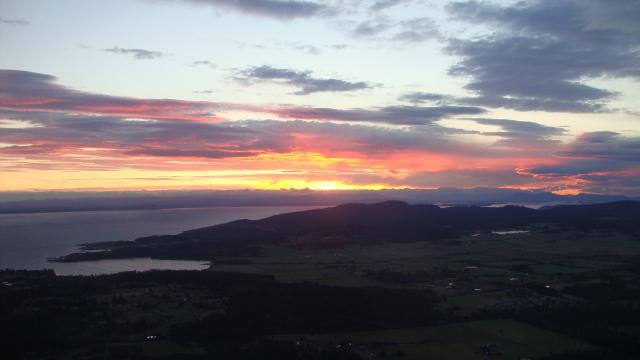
(144,200)
(390,221)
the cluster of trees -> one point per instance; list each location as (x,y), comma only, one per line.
(45,316)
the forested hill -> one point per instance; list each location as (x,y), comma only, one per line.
(391,221)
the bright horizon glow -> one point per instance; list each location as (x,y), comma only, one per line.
(418,95)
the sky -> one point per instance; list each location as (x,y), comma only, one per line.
(342,94)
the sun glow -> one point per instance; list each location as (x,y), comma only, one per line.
(329,185)
(321,185)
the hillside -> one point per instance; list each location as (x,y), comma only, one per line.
(391,221)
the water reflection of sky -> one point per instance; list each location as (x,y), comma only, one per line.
(27,240)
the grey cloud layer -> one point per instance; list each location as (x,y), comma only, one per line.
(427,97)
(605,145)
(22,90)
(303,80)
(162,138)
(140,54)
(539,56)
(13,21)
(54,127)
(279,9)
(38,99)
(385,4)
(521,129)
(206,63)
(593,155)
(408,31)
(469,178)
(396,115)
(606,162)
(204,140)
(544,51)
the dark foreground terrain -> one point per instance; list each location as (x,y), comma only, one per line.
(384,281)
(386,222)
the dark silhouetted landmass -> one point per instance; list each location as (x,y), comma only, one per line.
(383,281)
(119,316)
(109,201)
(391,221)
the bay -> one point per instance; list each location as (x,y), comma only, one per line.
(27,240)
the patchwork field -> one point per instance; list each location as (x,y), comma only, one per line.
(499,339)
(469,274)
(539,293)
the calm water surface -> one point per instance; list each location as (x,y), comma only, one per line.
(27,240)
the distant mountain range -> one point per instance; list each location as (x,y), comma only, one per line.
(391,221)
(145,200)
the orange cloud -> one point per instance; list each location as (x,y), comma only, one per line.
(83,140)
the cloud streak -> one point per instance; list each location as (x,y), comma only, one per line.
(303,80)
(16,22)
(380,5)
(46,126)
(395,115)
(277,9)
(601,161)
(28,91)
(138,54)
(408,31)
(542,51)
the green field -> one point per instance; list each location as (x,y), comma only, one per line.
(517,296)
(494,264)
(507,339)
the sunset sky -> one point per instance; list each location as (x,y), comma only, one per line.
(343,94)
